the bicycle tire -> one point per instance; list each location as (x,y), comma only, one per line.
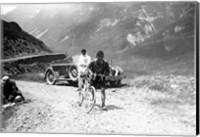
(89,99)
(80,98)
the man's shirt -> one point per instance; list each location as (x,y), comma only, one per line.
(83,62)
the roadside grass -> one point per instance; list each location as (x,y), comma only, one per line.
(168,86)
(161,90)
(165,82)
(168,95)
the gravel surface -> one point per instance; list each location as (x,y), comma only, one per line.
(54,109)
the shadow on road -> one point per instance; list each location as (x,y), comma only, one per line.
(110,107)
(113,107)
(118,86)
(67,84)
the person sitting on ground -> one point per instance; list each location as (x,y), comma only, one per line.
(10,90)
(83,62)
(100,68)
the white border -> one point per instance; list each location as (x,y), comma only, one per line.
(65,1)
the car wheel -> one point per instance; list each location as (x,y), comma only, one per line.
(73,73)
(50,78)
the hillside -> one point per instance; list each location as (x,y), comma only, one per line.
(23,53)
(17,42)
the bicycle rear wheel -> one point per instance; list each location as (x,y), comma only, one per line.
(89,99)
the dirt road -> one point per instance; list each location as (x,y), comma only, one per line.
(54,109)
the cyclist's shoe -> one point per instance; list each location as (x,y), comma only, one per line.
(104,108)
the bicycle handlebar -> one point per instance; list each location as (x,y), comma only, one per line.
(89,74)
(101,75)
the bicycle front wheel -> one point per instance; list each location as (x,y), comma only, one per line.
(90,99)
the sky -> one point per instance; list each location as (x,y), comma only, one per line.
(5,8)
(68,8)
(9,6)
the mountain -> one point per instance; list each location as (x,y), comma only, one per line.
(69,27)
(126,32)
(174,40)
(17,42)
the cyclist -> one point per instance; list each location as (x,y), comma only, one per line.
(99,68)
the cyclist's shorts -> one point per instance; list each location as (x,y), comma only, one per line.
(98,83)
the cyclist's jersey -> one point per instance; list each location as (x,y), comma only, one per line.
(99,68)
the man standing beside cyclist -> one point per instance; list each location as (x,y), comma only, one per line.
(100,69)
(83,62)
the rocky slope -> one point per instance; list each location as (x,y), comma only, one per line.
(23,53)
(17,42)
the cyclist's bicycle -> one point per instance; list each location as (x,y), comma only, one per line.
(87,96)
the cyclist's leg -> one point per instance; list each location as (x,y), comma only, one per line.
(103,95)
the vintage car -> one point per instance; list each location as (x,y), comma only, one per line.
(59,72)
(116,75)
(69,72)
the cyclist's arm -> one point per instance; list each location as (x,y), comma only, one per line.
(90,66)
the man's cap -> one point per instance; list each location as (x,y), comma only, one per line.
(5,78)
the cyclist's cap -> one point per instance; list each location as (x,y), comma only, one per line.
(100,53)
(83,50)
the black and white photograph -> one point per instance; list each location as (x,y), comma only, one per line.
(99,68)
